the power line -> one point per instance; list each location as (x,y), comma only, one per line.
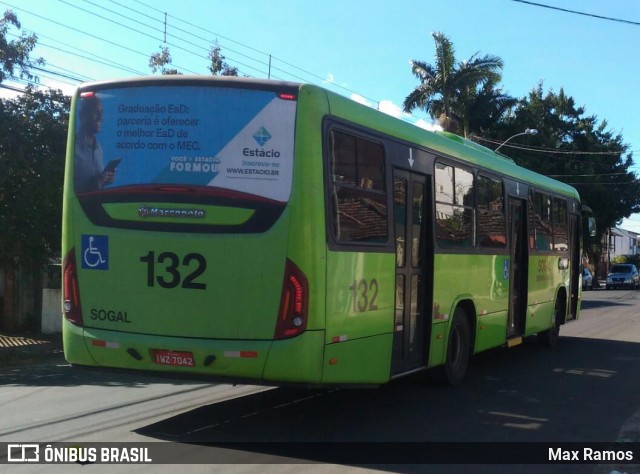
(151,36)
(59,77)
(124,26)
(252,58)
(40,43)
(111,11)
(553,150)
(584,175)
(113,64)
(202,29)
(260,62)
(295,76)
(77,78)
(26,82)
(629,183)
(257,60)
(92,57)
(120,66)
(139,12)
(59,74)
(78,30)
(12,88)
(601,17)
(100,60)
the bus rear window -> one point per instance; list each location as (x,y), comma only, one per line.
(138,139)
(184,157)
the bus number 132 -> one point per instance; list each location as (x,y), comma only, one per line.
(364,294)
(172,275)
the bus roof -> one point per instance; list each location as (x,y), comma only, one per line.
(192,79)
(447,144)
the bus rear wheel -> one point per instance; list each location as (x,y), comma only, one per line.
(458,351)
(551,336)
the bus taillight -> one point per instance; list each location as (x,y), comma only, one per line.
(71,291)
(292,316)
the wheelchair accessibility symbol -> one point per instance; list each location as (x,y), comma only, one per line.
(95,252)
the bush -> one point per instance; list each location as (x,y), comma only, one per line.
(635,259)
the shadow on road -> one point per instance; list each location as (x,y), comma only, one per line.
(581,391)
(46,367)
(598,304)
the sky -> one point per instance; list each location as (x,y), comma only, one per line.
(359,48)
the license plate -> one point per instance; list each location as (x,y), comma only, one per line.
(174,358)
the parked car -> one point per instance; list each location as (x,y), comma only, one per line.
(623,275)
(587,279)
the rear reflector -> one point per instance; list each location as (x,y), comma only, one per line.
(241,354)
(107,344)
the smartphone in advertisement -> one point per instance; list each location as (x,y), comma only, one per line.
(112,165)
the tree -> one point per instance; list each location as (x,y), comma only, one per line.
(15,54)
(32,151)
(159,61)
(575,148)
(449,88)
(487,107)
(218,65)
(33,133)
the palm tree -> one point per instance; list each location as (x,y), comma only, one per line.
(448,87)
(487,108)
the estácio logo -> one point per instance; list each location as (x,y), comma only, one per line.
(262,136)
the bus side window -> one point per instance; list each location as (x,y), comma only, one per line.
(358,195)
(490,213)
(455,206)
(541,228)
(560,225)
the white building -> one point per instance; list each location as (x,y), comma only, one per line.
(617,242)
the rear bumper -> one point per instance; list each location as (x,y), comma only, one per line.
(297,359)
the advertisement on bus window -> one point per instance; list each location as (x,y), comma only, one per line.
(138,138)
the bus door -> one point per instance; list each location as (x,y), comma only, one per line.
(414,267)
(517,268)
(575,264)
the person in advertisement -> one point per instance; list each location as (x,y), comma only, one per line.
(90,173)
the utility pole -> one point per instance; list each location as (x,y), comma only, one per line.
(608,249)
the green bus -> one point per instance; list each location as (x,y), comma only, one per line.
(280,233)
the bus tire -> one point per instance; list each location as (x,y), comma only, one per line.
(551,336)
(458,351)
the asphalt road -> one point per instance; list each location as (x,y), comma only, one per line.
(585,390)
